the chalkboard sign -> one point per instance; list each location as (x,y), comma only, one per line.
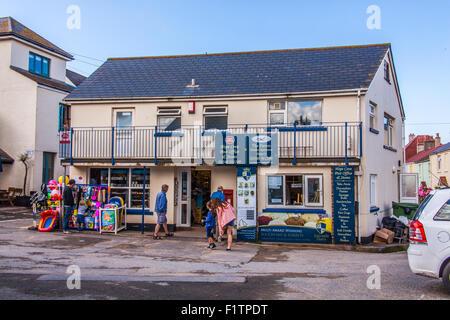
(344,204)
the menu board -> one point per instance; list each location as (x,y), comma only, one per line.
(246,203)
(246,149)
(344,204)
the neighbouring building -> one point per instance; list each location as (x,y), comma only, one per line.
(440,166)
(33,82)
(195,122)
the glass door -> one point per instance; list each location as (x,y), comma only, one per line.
(184,200)
(409,188)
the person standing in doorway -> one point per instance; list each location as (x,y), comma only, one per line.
(69,203)
(218,194)
(161,212)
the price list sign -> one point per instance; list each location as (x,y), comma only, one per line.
(344,204)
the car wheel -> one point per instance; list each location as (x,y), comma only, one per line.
(446,277)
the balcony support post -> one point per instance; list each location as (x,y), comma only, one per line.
(360,140)
(200,161)
(346,148)
(156,145)
(295,144)
(113,162)
(71,146)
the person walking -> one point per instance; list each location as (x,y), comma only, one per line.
(210,224)
(218,194)
(225,219)
(161,212)
(69,203)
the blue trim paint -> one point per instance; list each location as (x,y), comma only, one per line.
(374,209)
(138,212)
(280,210)
(169,134)
(374,131)
(298,129)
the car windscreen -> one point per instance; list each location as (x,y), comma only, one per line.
(421,207)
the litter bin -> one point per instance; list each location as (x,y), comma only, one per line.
(405,209)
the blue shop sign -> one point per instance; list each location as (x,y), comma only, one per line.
(344,204)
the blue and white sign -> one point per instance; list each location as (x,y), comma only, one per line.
(344,204)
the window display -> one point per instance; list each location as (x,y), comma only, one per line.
(294,190)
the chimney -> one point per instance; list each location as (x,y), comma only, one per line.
(411,137)
(437,140)
(428,144)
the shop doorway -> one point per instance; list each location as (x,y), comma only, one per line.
(200,194)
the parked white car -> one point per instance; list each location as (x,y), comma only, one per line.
(429,250)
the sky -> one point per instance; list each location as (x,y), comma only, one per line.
(419,32)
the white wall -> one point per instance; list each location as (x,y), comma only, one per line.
(20,55)
(377,160)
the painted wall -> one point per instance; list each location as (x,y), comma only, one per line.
(20,55)
(377,160)
(18,96)
(436,173)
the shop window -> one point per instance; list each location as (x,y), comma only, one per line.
(275,190)
(39,65)
(125,183)
(215,118)
(314,191)
(294,190)
(169,119)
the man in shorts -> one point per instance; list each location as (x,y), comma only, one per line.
(161,212)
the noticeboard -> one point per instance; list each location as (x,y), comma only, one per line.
(246,149)
(246,203)
(344,204)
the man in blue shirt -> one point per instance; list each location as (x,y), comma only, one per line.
(218,194)
(161,211)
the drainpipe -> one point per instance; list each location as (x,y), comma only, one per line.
(358,112)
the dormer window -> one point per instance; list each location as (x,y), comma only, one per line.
(39,65)
(387,72)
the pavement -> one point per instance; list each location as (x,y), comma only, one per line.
(130,265)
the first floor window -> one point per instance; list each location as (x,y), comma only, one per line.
(169,119)
(294,190)
(216,118)
(388,131)
(127,183)
(373,115)
(64,117)
(39,65)
(295,112)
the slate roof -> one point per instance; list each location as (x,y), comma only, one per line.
(442,148)
(52,83)
(260,72)
(76,78)
(11,27)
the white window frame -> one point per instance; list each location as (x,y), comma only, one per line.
(373,190)
(305,191)
(306,203)
(214,114)
(278,111)
(390,130)
(168,112)
(373,115)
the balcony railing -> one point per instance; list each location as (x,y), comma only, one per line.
(196,145)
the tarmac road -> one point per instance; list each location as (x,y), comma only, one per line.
(33,266)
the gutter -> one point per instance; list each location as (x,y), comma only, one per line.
(358,110)
(310,94)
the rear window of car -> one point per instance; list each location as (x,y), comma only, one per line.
(444,213)
(422,206)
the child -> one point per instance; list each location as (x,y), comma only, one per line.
(210,224)
(81,213)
